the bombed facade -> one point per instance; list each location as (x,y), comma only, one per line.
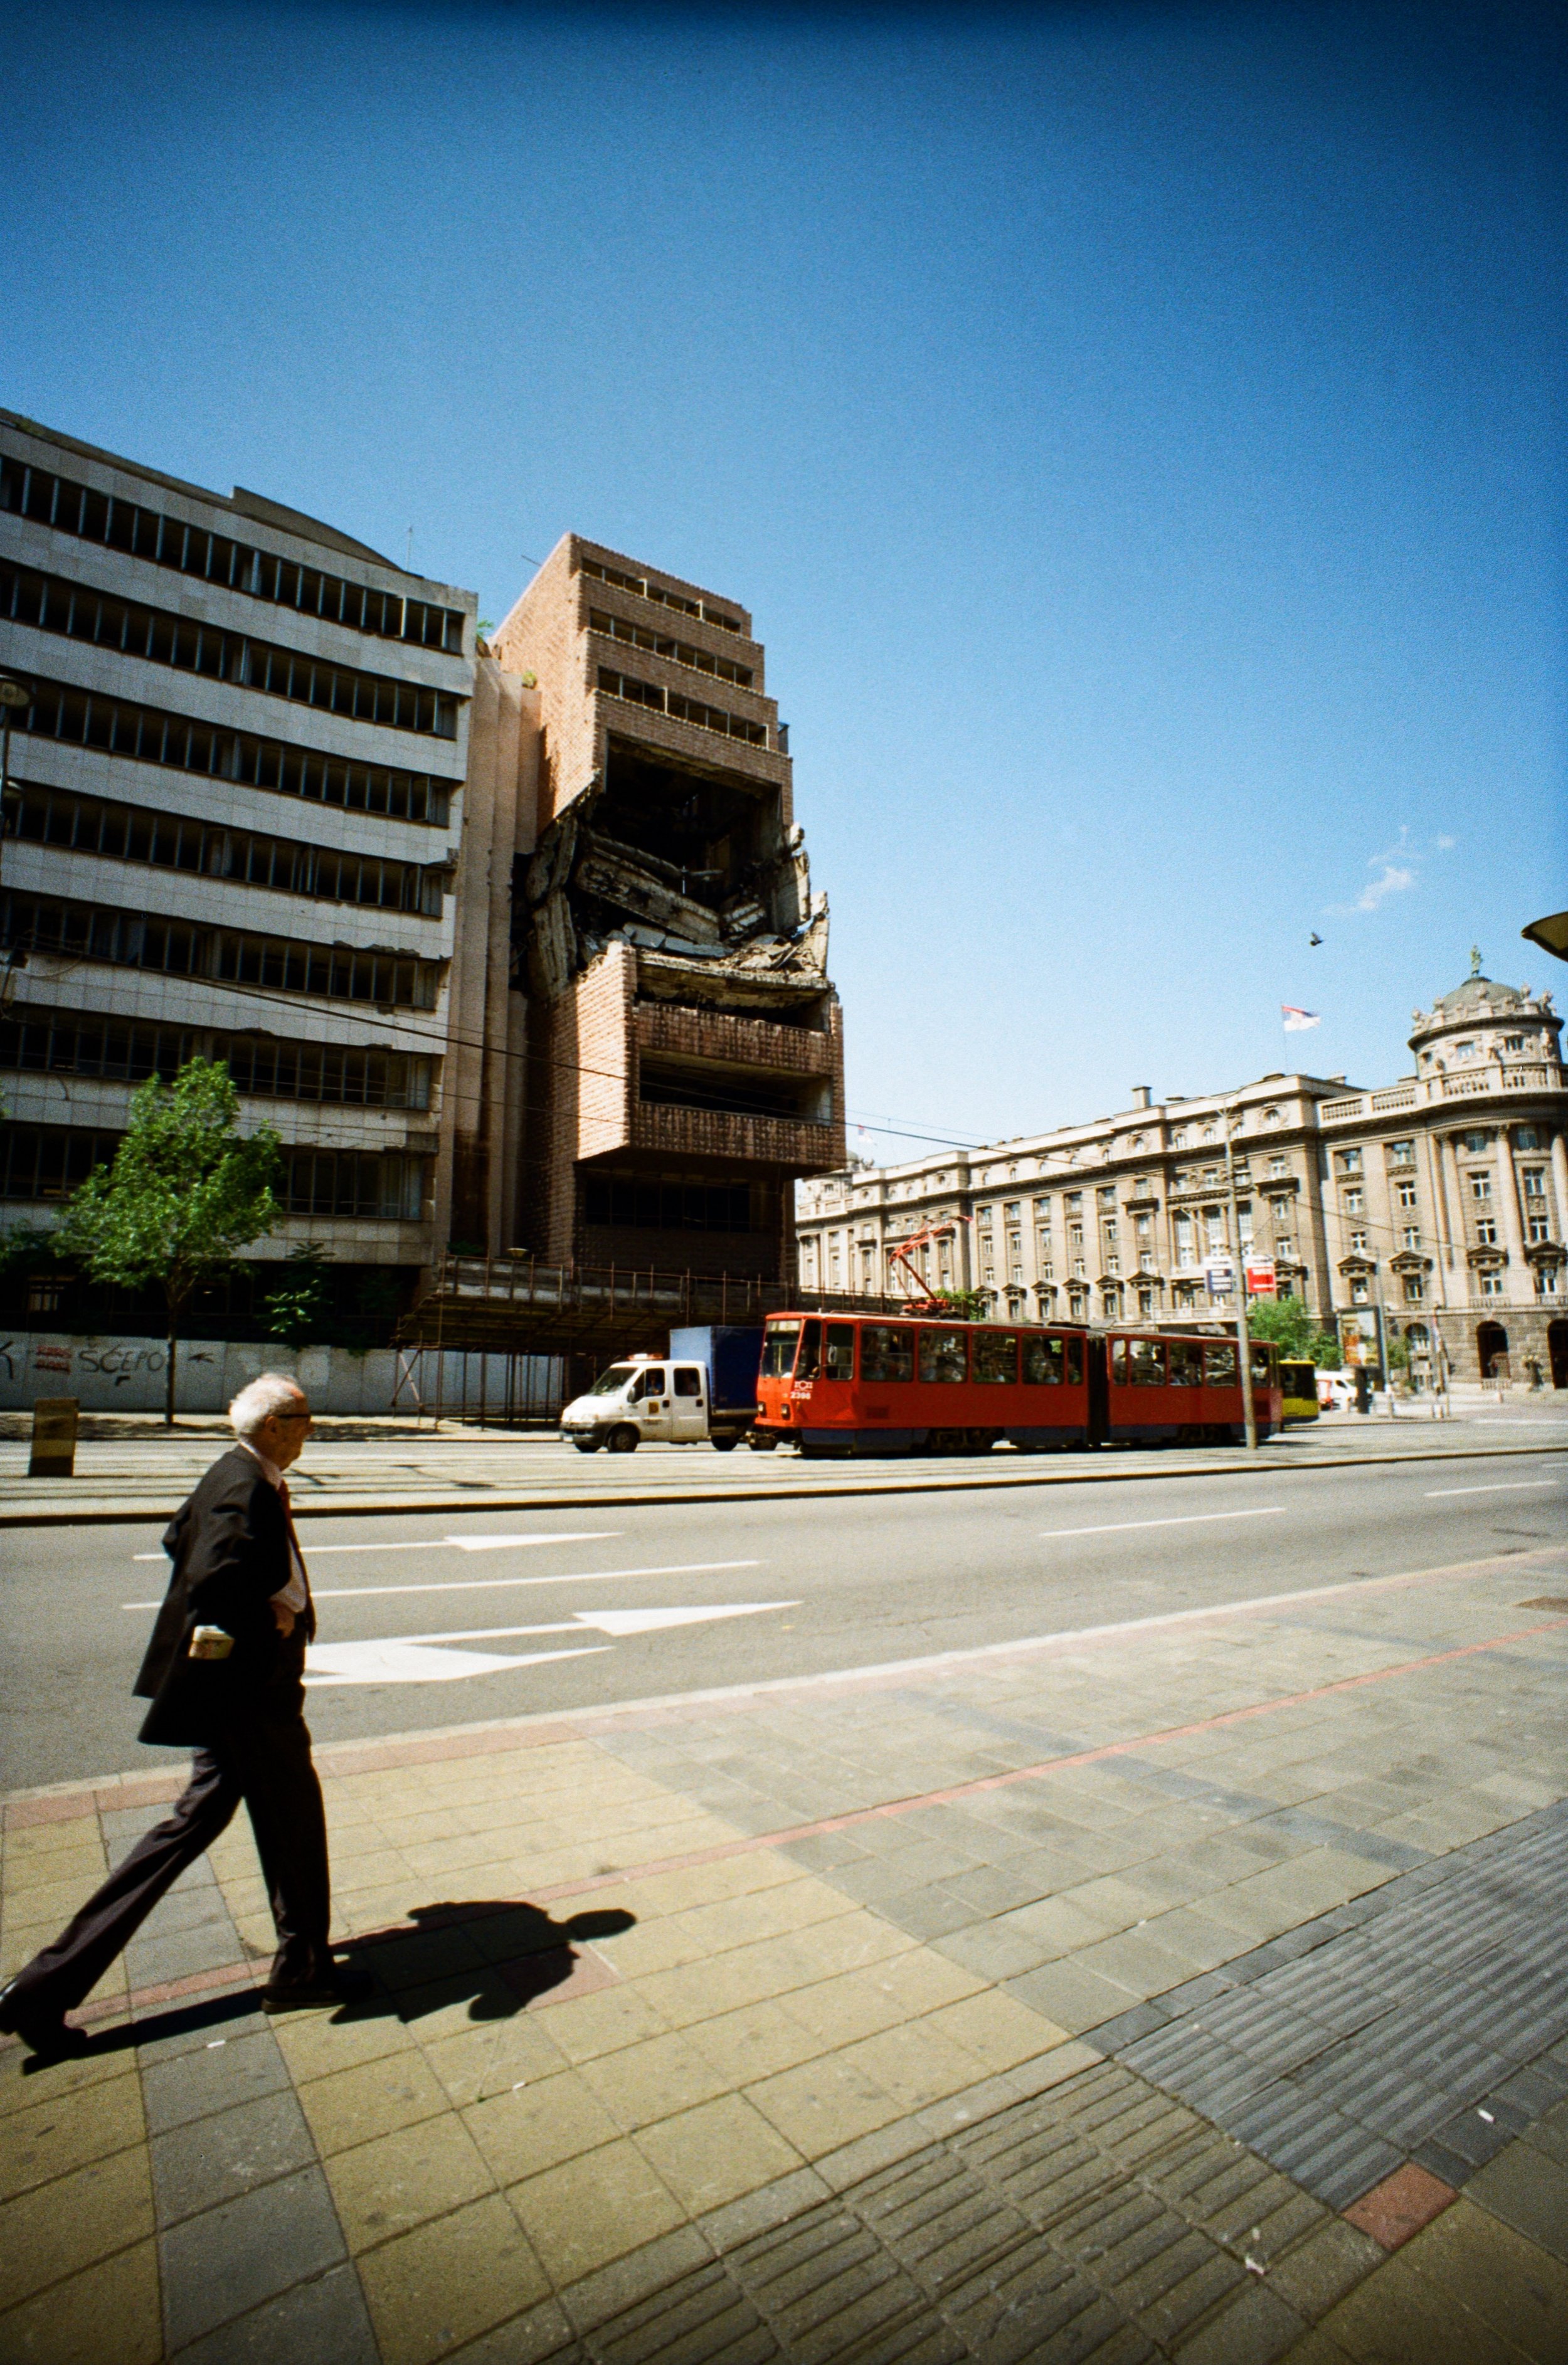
(684,1061)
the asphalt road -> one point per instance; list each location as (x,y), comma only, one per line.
(430,1621)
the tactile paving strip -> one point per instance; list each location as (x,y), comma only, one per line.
(1415,2024)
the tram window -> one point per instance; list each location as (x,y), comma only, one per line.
(1119,1361)
(838,1359)
(1261,1376)
(1043,1361)
(886,1354)
(1221,1366)
(779,1349)
(942,1355)
(1186,1363)
(996,1356)
(1148,1363)
(1075,1362)
(808,1360)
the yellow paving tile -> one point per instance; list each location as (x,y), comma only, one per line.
(653,2080)
(603,2022)
(915,2063)
(922,1979)
(399,2180)
(315,2044)
(823,2104)
(109,2310)
(844,1945)
(756,2041)
(695,1990)
(59,2228)
(588,2210)
(448,2282)
(1473,2259)
(534,2127)
(372,2098)
(21,2088)
(493,2056)
(51,2135)
(713,2154)
(839,2011)
(1000,2032)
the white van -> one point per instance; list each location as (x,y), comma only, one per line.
(642,1398)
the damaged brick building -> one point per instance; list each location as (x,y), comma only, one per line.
(681,1046)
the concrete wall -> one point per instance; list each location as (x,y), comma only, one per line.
(126,1375)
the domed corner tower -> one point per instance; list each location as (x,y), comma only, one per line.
(1491,1081)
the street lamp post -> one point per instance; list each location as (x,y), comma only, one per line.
(1243,1342)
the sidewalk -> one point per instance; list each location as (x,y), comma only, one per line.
(350,1470)
(1192,1990)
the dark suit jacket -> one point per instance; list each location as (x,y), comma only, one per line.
(229,1542)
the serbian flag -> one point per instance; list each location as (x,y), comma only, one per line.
(1298,1021)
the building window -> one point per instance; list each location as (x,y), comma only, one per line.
(160,637)
(1476,1142)
(1271,1116)
(1411,1236)
(267,1067)
(1402,1153)
(1358,1243)
(1184,1254)
(1513,1042)
(617,628)
(1145,1261)
(1546,1280)
(1012,1211)
(1486,1232)
(1528,1137)
(1359,1294)
(1043,1213)
(1352,1201)
(656,593)
(1491,1285)
(1279,1166)
(1109,1227)
(684,710)
(1414,1289)
(1481,1186)
(72,509)
(1284,1246)
(149,735)
(1534,1180)
(1214,1230)
(1408,1194)
(1080,1269)
(1348,1161)
(1145,1228)
(1075,1236)
(1074,1203)
(1179,1138)
(1209,1133)
(1540,1228)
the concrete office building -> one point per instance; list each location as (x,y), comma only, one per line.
(234,821)
(1438,1203)
(684,1054)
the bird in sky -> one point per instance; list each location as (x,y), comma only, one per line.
(1315,940)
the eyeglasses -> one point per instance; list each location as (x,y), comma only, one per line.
(290,1416)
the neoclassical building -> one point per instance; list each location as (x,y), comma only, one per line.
(1434,1205)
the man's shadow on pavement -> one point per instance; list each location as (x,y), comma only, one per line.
(495,1954)
(499,1954)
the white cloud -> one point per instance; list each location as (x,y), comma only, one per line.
(1391,881)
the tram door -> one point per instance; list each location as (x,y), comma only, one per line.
(1097,1353)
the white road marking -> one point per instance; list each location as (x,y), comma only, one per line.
(603,1621)
(458,1544)
(496,1584)
(1512,1487)
(408,1662)
(1192,1519)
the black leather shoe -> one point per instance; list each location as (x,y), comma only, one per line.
(48,2033)
(337,1985)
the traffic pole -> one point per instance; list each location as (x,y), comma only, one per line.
(1243,1341)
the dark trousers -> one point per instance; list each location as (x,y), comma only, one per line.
(267,1765)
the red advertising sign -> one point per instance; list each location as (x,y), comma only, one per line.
(1261,1277)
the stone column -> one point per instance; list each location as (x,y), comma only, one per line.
(1442,1228)
(1513,1229)
(1559,1183)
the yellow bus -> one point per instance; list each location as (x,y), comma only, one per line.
(1298,1388)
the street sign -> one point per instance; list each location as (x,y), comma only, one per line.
(1260,1281)
(1218,1276)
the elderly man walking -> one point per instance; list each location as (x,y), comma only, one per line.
(224,1672)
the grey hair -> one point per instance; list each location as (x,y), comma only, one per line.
(273,1391)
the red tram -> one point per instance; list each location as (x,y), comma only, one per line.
(862,1386)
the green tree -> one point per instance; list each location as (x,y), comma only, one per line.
(1288,1324)
(298,1308)
(184,1191)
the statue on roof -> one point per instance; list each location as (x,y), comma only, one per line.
(1474,960)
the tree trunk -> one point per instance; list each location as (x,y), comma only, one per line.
(169,1371)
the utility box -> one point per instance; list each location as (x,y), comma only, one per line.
(54,1438)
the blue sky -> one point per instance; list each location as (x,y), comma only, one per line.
(1137,433)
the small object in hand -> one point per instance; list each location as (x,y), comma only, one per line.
(211,1642)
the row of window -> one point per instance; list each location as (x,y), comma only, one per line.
(688,709)
(43,816)
(149,735)
(265,1067)
(660,597)
(50,1162)
(649,1204)
(49,604)
(679,652)
(74,508)
(137,940)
